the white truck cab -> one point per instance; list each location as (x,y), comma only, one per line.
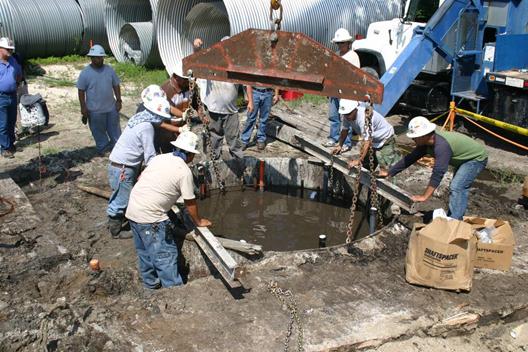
(385,40)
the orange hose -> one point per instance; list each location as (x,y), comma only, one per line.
(495,134)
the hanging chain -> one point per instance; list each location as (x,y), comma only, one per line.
(275,5)
(369,111)
(286,299)
(355,196)
(331,175)
(194,96)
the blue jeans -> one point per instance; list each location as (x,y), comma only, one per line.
(462,180)
(8,116)
(335,122)
(157,254)
(262,101)
(121,181)
(105,129)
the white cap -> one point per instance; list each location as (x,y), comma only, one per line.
(347,106)
(342,35)
(178,70)
(152,92)
(7,43)
(159,106)
(97,51)
(420,126)
(187,141)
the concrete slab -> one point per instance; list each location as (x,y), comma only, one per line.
(22,218)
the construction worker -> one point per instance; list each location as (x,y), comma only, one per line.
(343,39)
(133,148)
(383,141)
(220,98)
(260,101)
(100,100)
(177,90)
(162,183)
(448,148)
(10,76)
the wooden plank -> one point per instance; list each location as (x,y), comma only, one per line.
(19,215)
(94,190)
(237,246)
(219,257)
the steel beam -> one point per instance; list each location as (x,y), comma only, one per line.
(297,139)
(221,259)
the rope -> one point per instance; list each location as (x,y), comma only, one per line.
(439,116)
(495,134)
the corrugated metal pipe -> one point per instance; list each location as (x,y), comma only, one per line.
(130,26)
(179,22)
(92,12)
(43,28)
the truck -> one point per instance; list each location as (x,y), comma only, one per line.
(472,52)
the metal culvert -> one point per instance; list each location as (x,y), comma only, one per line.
(92,12)
(45,28)
(6,19)
(135,41)
(121,12)
(179,22)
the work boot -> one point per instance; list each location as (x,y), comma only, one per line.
(114,226)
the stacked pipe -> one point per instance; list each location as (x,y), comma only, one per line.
(92,12)
(42,28)
(179,22)
(130,25)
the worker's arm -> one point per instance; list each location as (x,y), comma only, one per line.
(362,154)
(146,135)
(82,102)
(442,154)
(276,96)
(117,93)
(250,105)
(342,137)
(192,207)
(406,161)
(173,128)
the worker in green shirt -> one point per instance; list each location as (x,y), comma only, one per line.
(466,155)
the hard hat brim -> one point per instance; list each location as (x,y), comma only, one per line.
(186,148)
(342,40)
(150,109)
(430,128)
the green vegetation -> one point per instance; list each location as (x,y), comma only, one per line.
(315,100)
(505,176)
(50,150)
(57,60)
(140,75)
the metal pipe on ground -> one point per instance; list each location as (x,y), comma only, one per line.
(92,12)
(179,23)
(118,13)
(135,41)
(42,28)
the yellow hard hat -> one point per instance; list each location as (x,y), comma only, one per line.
(275,4)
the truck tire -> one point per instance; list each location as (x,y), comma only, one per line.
(371,71)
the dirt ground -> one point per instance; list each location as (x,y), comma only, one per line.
(51,301)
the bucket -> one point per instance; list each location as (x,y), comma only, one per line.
(290,95)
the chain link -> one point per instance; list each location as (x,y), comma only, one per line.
(286,299)
(355,196)
(194,96)
(275,5)
(374,200)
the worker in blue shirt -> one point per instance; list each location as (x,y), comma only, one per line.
(10,75)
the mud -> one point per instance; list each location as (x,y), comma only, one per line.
(278,221)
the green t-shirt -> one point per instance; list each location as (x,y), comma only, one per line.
(463,148)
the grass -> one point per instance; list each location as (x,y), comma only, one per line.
(308,99)
(57,60)
(50,150)
(506,176)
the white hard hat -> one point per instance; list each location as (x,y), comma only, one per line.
(347,106)
(420,126)
(96,51)
(152,92)
(178,70)
(187,141)
(159,106)
(7,43)
(342,35)
(225,37)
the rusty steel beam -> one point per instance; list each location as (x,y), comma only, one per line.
(293,61)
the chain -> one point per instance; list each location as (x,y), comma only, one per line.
(355,197)
(373,181)
(286,299)
(331,175)
(275,5)
(194,95)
